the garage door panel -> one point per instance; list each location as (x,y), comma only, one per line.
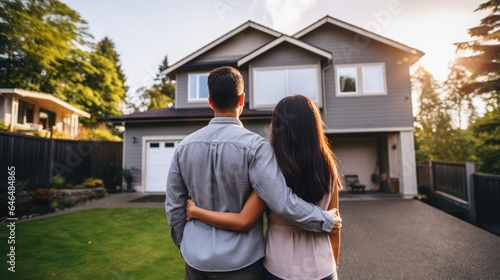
(159,155)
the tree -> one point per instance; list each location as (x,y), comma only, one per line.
(34,37)
(435,138)
(487,131)
(481,57)
(44,46)
(159,95)
(460,104)
(484,60)
(106,48)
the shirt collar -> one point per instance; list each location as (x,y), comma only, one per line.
(225,120)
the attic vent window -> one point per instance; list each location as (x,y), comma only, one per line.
(360,79)
(197,87)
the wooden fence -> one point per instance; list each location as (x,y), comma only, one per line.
(487,196)
(455,188)
(37,159)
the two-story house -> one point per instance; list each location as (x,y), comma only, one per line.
(360,80)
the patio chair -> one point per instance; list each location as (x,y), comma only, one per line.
(353,182)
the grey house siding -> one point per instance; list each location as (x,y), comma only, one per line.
(285,55)
(133,152)
(237,46)
(393,110)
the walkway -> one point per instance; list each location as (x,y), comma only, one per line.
(386,237)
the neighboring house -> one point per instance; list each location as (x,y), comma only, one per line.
(29,111)
(360,80)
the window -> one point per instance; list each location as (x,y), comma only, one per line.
(270,85)
(25,112)
(47,118)
(197,87)
(360,79)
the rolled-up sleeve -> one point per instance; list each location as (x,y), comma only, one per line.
(175,204)
(267,180)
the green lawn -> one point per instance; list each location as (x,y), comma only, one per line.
(94,244)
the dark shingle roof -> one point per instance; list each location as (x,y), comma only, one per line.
(175,114)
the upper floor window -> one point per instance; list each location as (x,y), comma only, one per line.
(360,79)
(271,84)
(197,87)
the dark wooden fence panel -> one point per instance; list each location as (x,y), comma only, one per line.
(38,159)
(29,156)
(450,178)
(487,195)
(424,174)
(106,162)
(72,160)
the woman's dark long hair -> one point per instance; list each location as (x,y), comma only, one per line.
(302,149)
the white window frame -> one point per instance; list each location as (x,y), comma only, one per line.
(197,99)
(360,81)
(319,92)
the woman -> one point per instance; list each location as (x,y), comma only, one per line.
(308,165)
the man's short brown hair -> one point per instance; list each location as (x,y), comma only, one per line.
(225,85)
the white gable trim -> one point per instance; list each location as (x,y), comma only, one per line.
(357,30)
(219,41)
(280,40)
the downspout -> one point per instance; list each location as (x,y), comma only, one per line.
(330,65)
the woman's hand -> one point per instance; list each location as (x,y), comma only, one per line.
(337,220)
(191,209)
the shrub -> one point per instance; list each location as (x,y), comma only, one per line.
(78,187)
(45,195)
(68,202)
(57,182)
(93,183)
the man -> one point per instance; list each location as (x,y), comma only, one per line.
(219,166)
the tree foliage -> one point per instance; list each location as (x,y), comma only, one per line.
(480,57)
(45,46)
(435,136)
(160,95)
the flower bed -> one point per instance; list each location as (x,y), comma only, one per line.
(48,200)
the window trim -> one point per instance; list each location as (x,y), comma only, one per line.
(319,94)
(360,80)
(197,99)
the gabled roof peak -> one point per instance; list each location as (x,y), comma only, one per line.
(358,30)
(245,25)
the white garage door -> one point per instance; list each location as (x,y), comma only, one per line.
(158,157)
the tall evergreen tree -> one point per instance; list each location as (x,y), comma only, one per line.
(481,57)
(484,62)
(106,47)
(160,95)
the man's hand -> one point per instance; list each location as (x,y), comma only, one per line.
(337,220)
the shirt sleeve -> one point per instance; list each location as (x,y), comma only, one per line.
(268,181)
(175,204)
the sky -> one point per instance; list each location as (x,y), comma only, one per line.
(144,31)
